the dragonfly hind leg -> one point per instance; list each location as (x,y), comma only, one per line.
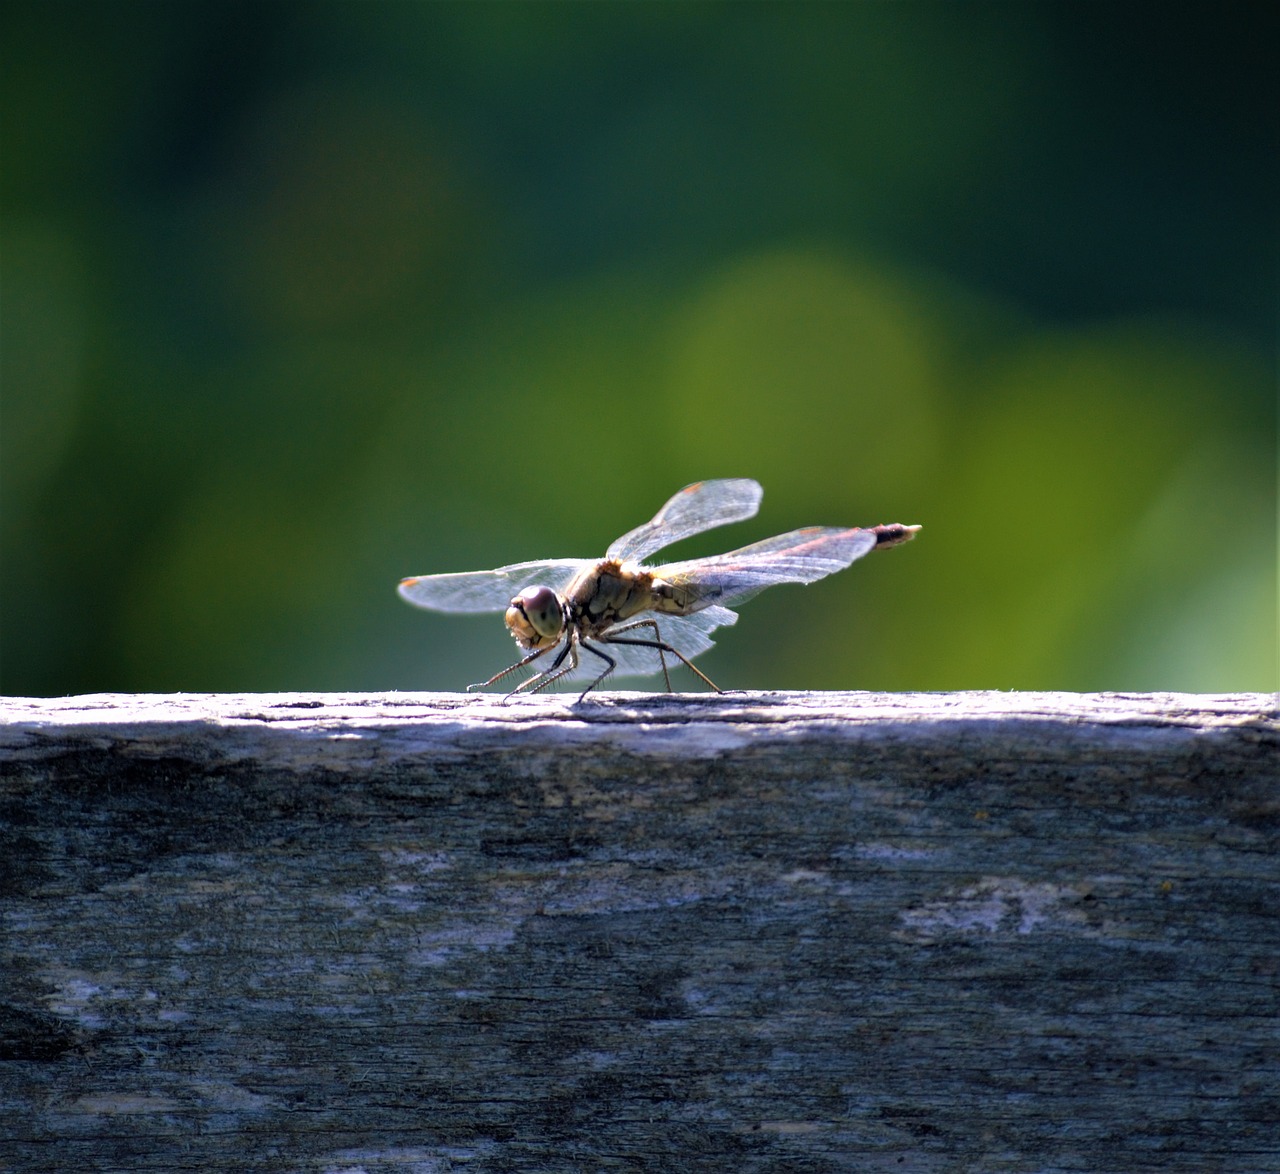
(662,646)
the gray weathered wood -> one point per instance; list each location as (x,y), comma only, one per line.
(752,932)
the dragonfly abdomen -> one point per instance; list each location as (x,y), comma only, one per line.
(679,599)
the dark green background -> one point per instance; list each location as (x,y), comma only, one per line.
(300,298)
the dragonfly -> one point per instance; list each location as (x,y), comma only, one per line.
(630,616)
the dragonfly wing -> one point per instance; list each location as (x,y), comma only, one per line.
(490,590)
(801,556)
(698,507)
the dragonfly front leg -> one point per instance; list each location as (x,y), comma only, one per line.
(493,680)
(554,673)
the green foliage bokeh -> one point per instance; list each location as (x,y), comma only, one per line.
(300,298)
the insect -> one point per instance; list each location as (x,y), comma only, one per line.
(611,607)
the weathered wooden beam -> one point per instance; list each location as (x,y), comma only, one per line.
(742,932)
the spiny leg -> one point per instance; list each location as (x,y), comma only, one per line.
(611,663)
(650,623)
(540,681)
(663,646)
(554,673)
(493,680)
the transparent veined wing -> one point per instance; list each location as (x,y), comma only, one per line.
(690,635)
(801,556)
(490,590)
(698,507)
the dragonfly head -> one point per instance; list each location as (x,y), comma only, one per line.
(536,617)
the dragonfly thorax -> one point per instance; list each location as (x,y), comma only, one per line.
(536,617)
(613,591)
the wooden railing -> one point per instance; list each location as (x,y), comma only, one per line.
(744,932)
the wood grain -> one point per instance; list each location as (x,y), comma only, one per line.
(751,932)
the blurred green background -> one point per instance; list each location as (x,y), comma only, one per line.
(300,298)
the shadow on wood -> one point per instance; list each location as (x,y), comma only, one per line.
(748,932)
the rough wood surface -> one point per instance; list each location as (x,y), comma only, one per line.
(809,932)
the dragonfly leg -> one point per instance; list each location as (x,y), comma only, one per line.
(554,673)
(662,646)
(610,666)
(493,680)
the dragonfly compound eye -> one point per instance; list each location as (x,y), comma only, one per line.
(535,616)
